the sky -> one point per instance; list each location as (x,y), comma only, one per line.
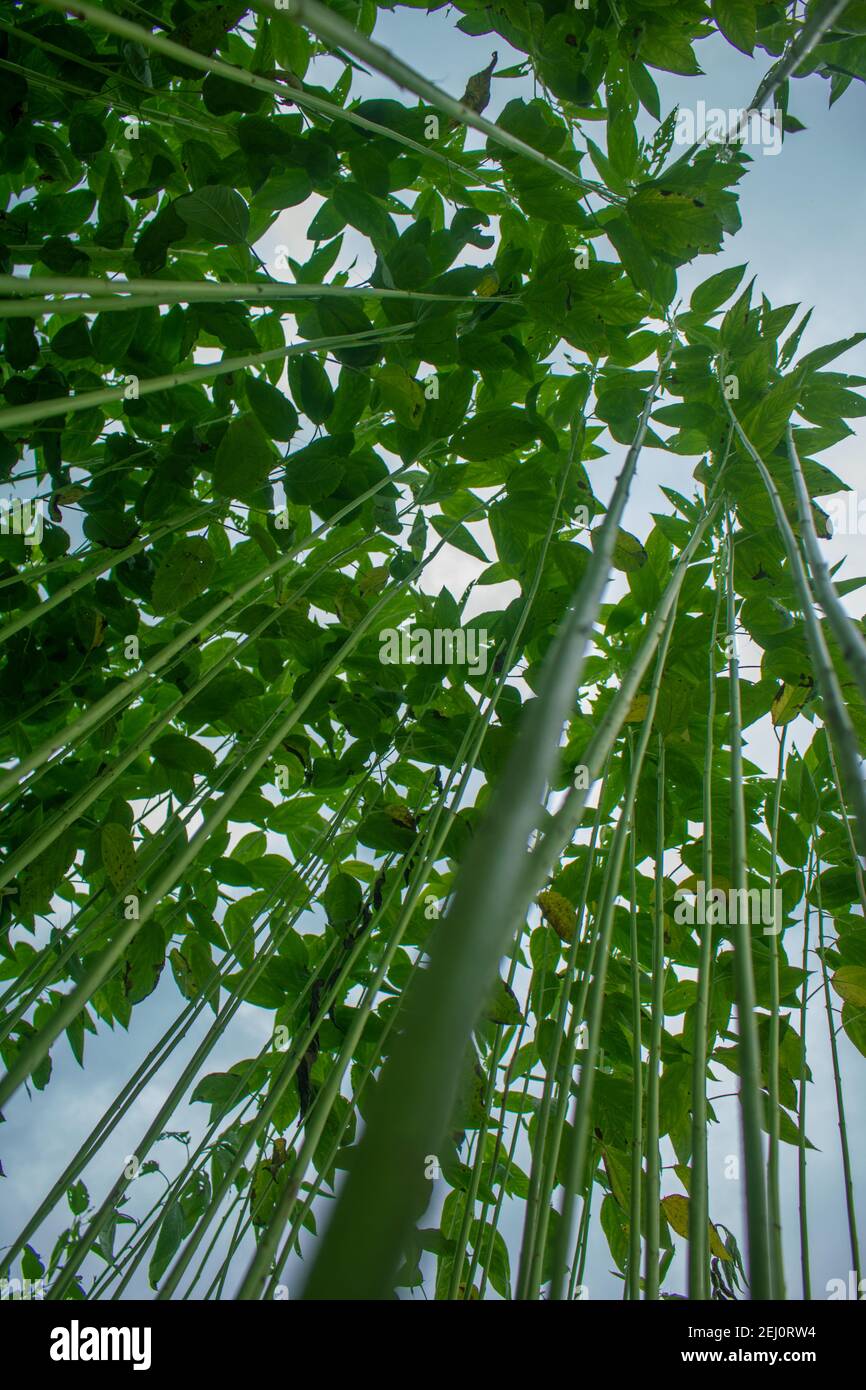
(803,214)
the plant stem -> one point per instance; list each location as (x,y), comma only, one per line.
(803,1203)
(653,1151)
(699,1204)
(760,1281)
(135,292)
(850,1209)
(777,1262)
(634,1223)
(115,397)
(846,631)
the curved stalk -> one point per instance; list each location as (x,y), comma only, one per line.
(847,633)
(839,724)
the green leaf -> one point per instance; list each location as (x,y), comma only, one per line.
(401,394)
(274,412)
(77,1198)
(118,854)
(243,459)
(459,536)
(737,21)
(495,433)
(854,1024)
(849,983)
(215,214)
(171,1233)
(712,293)
(502,1006)
(311,387)
(628,553)
(342,899)
(182,574)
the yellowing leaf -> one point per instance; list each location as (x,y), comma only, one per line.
(637,709)
(374,580)
(849,983)
(676,1209)
(489,285)
(91,625)
(716,1246)
(401,394)
(263,1190)
(401,815)
(502,1006)
(788,701)
(559,912)
(628,553)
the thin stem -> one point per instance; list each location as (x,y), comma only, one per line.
(837,1086)
(653,1151)
(699,1205)
(846,631)
(634,1225)
(803,1202)
(777,1263)
(115,397)
(138,292)
(760,1281)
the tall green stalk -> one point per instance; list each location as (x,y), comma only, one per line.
(847,633)
(750,1090)
(850,1209)
(634,1219)
(802,1194)
(699,1204)
(653,1149)
(774,1204)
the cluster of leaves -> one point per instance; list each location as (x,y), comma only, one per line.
(231,523)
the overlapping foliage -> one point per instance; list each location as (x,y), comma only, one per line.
(211,774)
